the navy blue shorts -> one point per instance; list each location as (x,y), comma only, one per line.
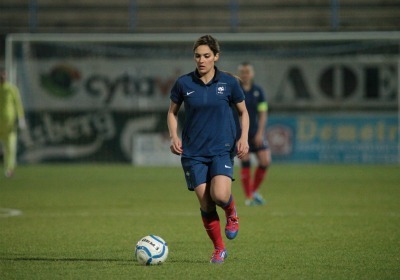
(253,148)
(200,171)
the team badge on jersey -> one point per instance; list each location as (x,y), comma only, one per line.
(221,88)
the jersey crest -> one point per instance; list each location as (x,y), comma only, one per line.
(221,88)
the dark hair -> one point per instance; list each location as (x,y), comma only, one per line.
(208,40)
(245,63)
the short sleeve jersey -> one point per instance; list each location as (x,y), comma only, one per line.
(254,97)
(209,128)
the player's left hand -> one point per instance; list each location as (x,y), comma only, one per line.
(258,140)
(242,148)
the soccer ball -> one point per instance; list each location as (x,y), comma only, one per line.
(151,250)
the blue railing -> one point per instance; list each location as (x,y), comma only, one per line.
(132,14)
(33,12)
(335,20)
(234,7)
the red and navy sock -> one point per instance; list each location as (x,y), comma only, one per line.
(259,175)
(245,175)
(212,226)
(229,208)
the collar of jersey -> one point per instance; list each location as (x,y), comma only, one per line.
(214,79)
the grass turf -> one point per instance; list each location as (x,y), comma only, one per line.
(82,222)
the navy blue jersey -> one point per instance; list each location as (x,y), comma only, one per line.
(254,97)
(209,128)
(255,100)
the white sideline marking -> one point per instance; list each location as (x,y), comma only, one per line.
(315,214)
(8,212)
(103,214)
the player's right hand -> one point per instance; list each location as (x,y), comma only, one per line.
(176,146)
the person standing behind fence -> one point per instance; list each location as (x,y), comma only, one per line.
(11,110)
(208,143)
(258,108)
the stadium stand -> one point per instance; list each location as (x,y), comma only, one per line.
(150,16)
(195,16)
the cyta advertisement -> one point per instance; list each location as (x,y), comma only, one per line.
(341,110)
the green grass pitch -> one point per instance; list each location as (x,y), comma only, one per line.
(83,221)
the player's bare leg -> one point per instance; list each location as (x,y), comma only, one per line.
(221,193)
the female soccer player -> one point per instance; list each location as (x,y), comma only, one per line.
(208,140)
(10,109)
(257,108)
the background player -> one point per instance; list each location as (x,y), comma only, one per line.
(208,142)
(257,108)
(11,109)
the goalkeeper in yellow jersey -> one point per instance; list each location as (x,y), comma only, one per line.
(11,111)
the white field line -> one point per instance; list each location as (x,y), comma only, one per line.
(7,212)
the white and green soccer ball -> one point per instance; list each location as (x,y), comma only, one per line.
(151,250)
